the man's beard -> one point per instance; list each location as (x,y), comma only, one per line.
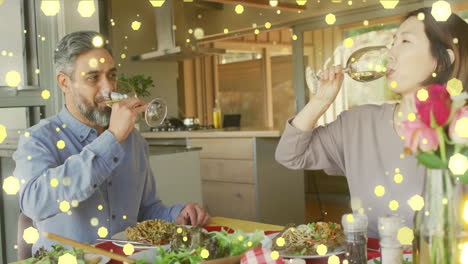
(91,111)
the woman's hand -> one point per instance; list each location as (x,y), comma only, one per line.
(329,85)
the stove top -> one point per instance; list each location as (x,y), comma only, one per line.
(164,128)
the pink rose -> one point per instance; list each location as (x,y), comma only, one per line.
(438,102)
(419,136)
(456,137)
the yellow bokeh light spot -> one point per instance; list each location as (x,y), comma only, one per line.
(50,7)
(322,250)
(434,74)
(274,255)
(280,242)
(11,185)
(64,126)
(157,3)
(239,9)
(240,238)
(1,2)
(464,253)
(67,258)
(333,260)
(27,134)
(54,182)
(249,244)
(458,164)
(185,239)
(136,25)
(93,63)
(393,205)
(204,253)
(455,40)
(330,19)
(379,191)
(123,56)
(57,129)
(444,201)
(187,40)
(256,31)
(273,3)
(424,141)
(461,127)
(29,158)
(45,94)
(124,217)
(365,22)
(389,4)
(294,37)
(60,144)
(301,2)
(293,229)
(64,206)
(441,10)
(349,42)
(422,95)
(86,8)
(350,218)
(416,203)
(199,33)
(94,221)
(226,31)
(102,60)
(405,236)
(30,235)
(421,16)
(102,232)
(190,31)
(13,78)
(397,170)
(3,133)
(454,87)
(100,207)
(411,117)
(402,156)
(179,230)
(398,178)
(393,84)
(98,41)
(37,71)
(75,203)
(268,25)
(128,249)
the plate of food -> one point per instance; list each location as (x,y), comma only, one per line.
(303,241)
(149,233)
(43,256)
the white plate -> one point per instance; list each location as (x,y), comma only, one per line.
(123,236)
(337,251)
(103,260)
(407,257)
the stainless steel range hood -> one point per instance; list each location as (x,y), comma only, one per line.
(172,47)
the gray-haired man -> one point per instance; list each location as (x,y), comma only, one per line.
(88,174)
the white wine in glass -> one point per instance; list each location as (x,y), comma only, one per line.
(156,110)
(363,65)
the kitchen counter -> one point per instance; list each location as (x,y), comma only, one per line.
(216,133)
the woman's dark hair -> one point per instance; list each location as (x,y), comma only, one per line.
(441,36)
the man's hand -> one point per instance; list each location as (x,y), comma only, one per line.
(123,116)
(193,214)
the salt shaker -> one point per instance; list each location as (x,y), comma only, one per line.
(390,248)
(355,230)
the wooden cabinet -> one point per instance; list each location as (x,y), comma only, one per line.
(241,179)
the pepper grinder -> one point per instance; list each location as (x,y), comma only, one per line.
(355,231)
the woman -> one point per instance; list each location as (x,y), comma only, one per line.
(364,143)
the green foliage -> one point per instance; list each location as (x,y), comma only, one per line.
(140,83)
(430,160)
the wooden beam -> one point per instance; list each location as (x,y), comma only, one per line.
(262,4)
(251,46)
(268,87)
(189,89)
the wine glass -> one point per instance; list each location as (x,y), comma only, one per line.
(156,110)
(363,65)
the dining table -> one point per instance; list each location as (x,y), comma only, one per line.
(230,224)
